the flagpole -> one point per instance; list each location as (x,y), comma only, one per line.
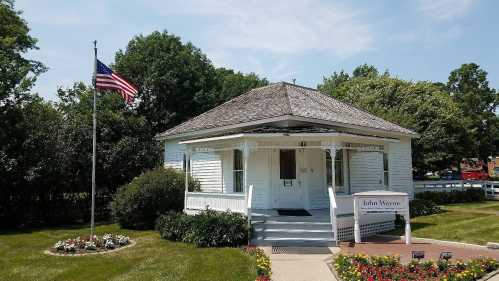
(94,137)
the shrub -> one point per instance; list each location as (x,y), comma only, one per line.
(206,229)
(138,204)
(173,226)
(421,207)
(455,196)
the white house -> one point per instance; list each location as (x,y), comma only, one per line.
(279,149)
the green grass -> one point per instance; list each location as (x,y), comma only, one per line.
(22,258)
(476,223)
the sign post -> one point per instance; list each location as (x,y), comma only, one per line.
(381,202)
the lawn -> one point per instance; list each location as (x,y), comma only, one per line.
(22,258)
(476,223)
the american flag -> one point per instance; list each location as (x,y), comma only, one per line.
(106,79)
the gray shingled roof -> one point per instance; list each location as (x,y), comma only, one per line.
(282,99)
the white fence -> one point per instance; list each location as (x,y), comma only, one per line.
(491,188)
(216,201)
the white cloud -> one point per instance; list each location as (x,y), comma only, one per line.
(445,10)
(278,27)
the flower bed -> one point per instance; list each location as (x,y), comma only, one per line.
(360,267)
(262,263)
(83,244)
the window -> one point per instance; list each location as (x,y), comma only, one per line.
(385,171)
(238,171)
(338,167)
(287,159)
(186,167)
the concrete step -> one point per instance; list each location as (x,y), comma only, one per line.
(292,225)
(293,241)
(291,219)
(294,233)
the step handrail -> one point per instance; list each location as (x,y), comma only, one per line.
(249,203)
(332,213)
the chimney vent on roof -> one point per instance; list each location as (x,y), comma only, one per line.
(294,81)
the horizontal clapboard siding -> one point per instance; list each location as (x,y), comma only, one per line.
(207,169)
(174,155)
(366,170)
(400,167)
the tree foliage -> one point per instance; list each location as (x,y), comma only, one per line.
(421,106)
(469,88)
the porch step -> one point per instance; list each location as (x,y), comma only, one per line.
(274,230)
(294,233)
(293,241)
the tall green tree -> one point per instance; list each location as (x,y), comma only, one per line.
(469,87)
(124,146)
(424,107)
(232,84)
(17,73)
(176,80)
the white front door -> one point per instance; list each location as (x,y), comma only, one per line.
(287,185)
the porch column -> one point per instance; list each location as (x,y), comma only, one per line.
(187,173)
(332,196)
(246,153)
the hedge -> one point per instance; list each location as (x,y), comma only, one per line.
(206,229)
(455,196)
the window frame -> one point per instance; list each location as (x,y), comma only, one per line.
(238,172)
(339,161)
(386,171)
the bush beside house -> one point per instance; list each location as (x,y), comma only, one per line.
(206,229)
(138,204)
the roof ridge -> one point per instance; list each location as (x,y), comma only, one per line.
(234,99)
(288,99)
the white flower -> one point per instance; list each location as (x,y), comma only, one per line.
(69,247)
(109,244)
(59,245)
(90,245)
(107,236)
(122,240)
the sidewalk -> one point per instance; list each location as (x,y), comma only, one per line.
(302,264)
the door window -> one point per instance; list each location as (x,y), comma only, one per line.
(287,160)
(238,171)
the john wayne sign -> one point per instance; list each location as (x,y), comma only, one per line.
(381,204)
(381,201)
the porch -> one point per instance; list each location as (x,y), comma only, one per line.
(255,174)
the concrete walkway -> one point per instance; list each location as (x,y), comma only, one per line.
(302,264)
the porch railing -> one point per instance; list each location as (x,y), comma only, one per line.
(216,201)
(332,213)
(491,188)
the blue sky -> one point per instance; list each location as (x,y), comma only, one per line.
(280,40)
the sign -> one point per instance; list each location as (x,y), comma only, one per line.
(381,204)
(381,201)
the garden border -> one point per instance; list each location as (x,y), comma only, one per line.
(131,244)
(329,263)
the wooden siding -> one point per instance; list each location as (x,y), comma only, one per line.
(400,167)
(366,171)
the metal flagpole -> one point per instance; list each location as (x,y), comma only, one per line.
(94,137)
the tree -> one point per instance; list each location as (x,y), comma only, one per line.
(331,83)
(469,87)
(232,84)
(17,74)
(176,80)
(366,71)
(422,106)
(124,146)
